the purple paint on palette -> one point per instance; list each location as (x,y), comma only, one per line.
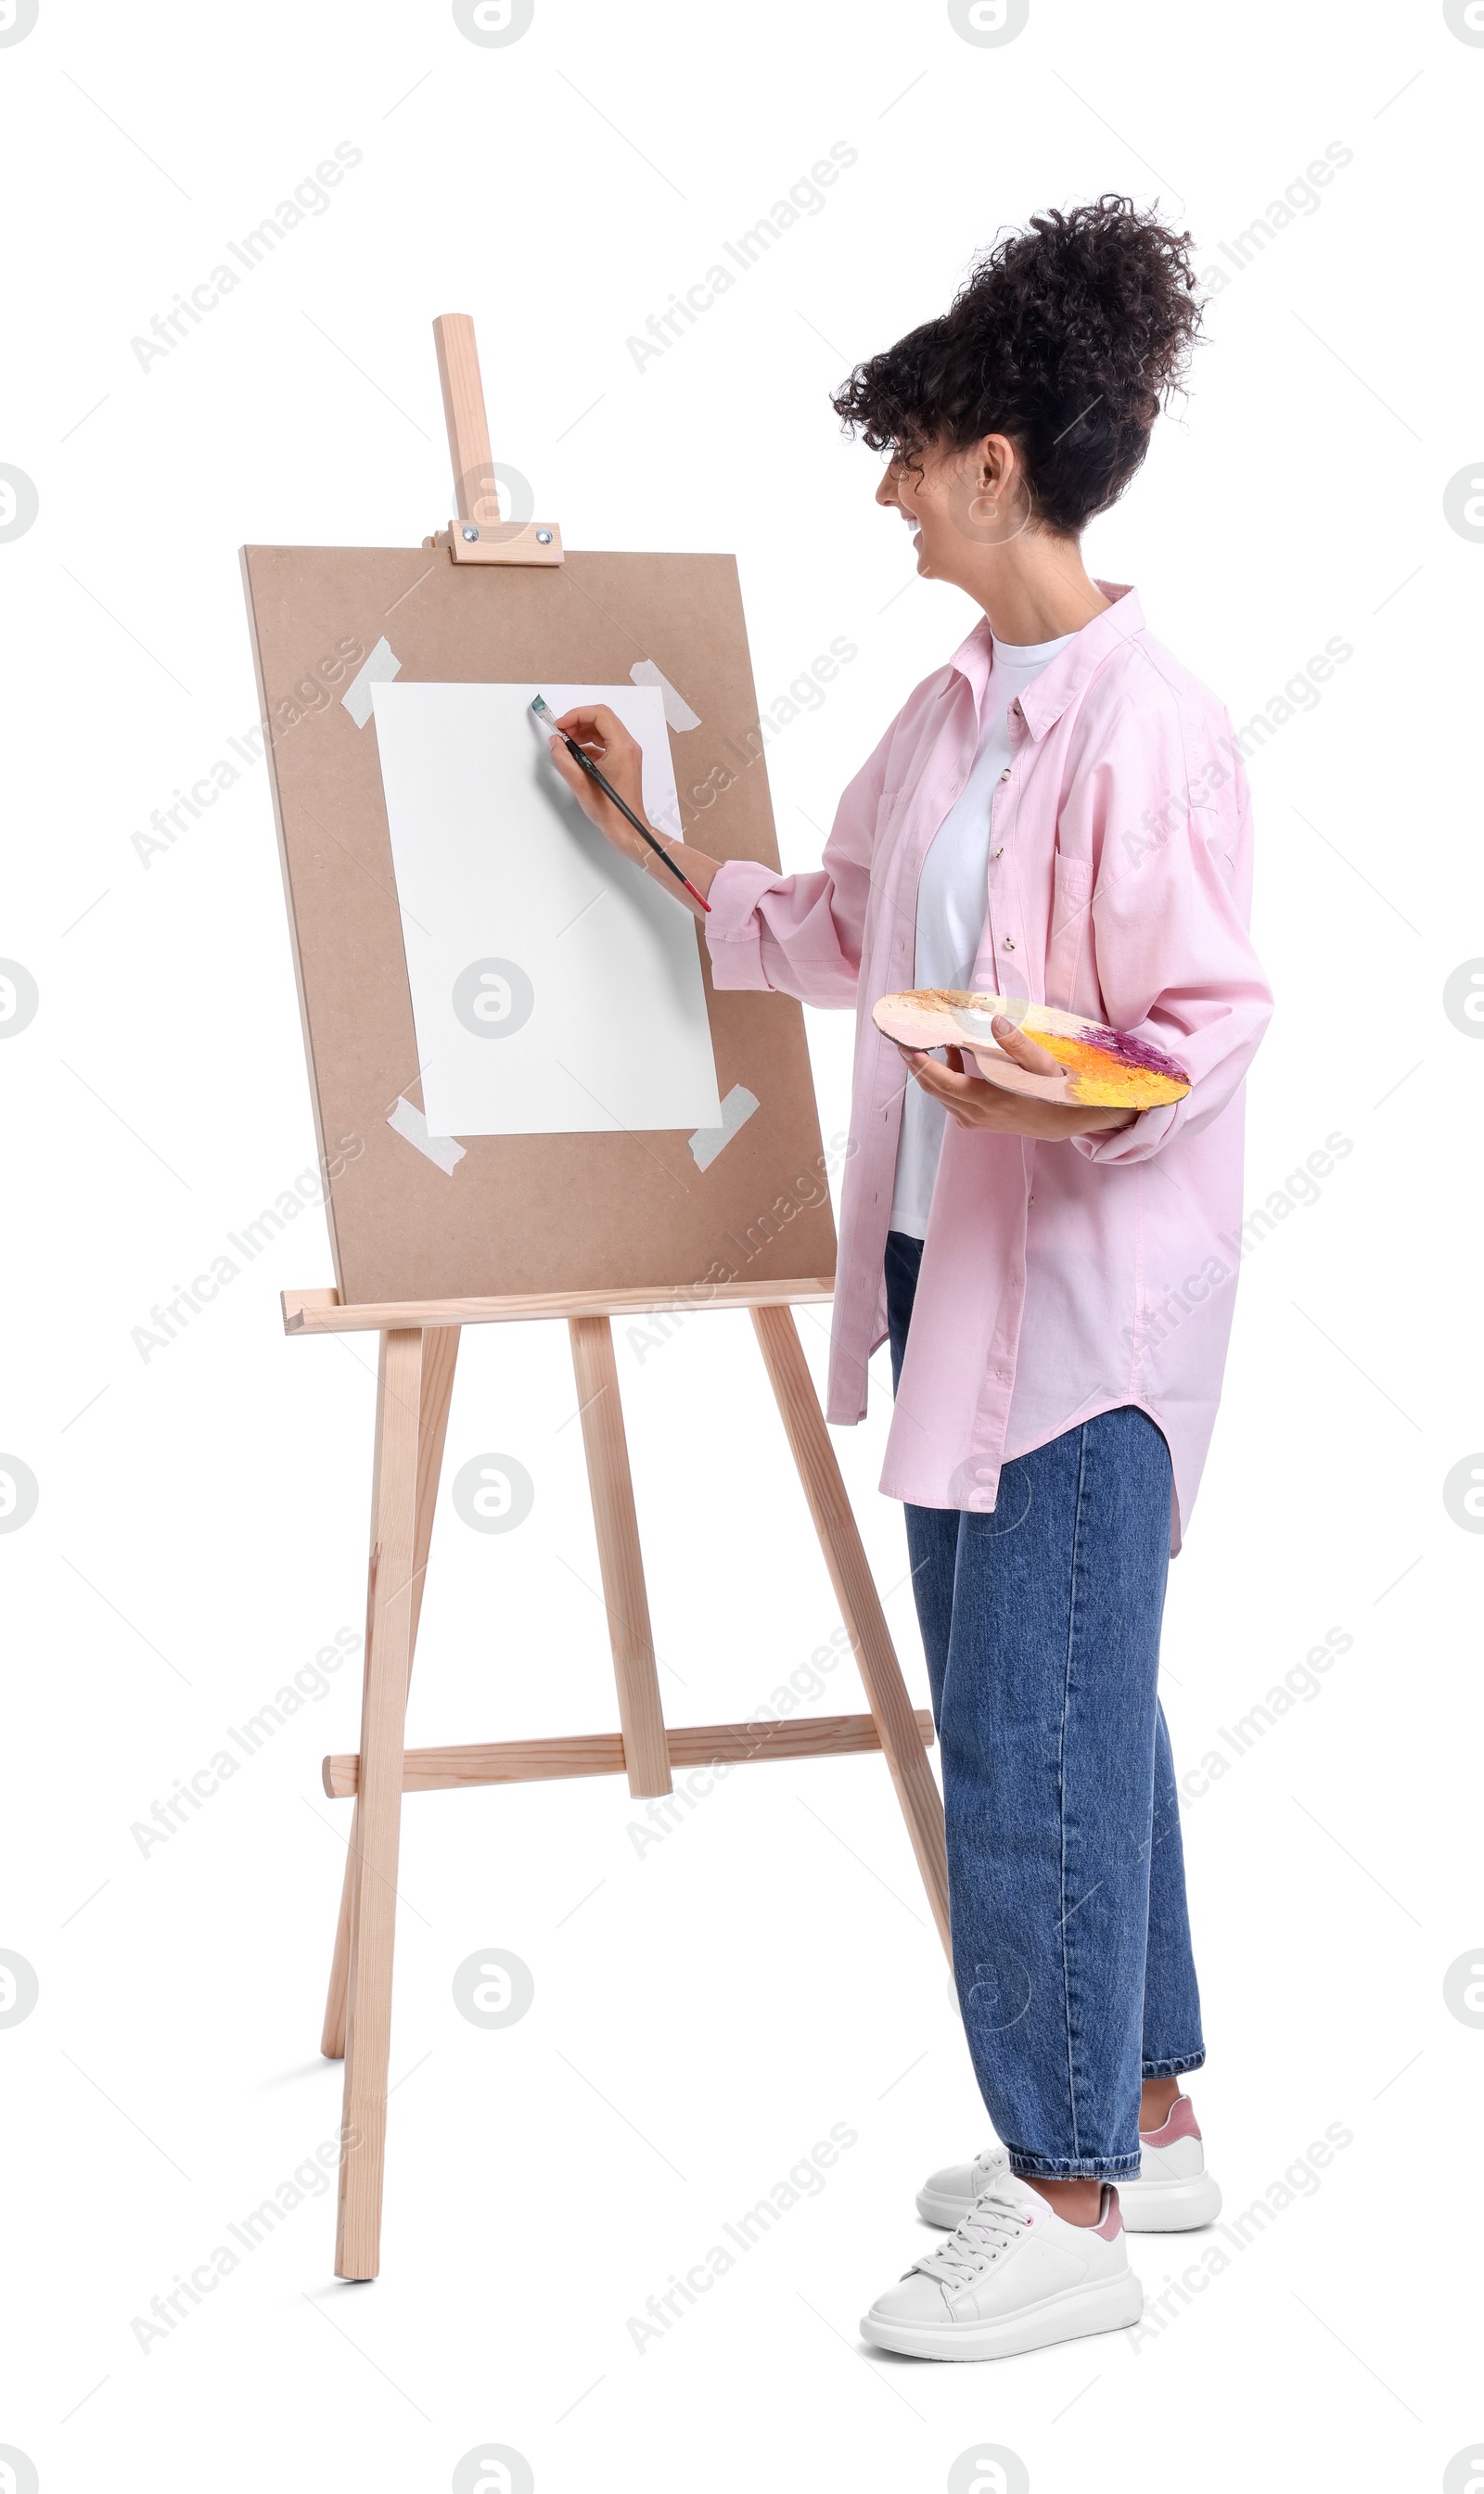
(1130,1051)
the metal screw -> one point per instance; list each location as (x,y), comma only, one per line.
(543,536)
(471,534)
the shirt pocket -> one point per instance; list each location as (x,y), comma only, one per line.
(888,807)
(1068,951)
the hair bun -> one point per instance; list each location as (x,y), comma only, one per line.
(1068,338)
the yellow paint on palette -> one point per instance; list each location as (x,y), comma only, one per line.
(1101,1080)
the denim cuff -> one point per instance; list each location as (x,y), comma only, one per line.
(1173,2069)
(1074,2169)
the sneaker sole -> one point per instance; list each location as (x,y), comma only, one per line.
(1171,2208)
(1146,2208)
(1077,2312)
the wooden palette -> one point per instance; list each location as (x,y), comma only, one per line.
(1103,1069)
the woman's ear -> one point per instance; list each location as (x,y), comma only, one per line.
(996,503)
(1000,463)
(977,500)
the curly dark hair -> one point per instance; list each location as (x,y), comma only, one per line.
(1067,338)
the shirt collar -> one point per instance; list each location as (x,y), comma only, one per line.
(1069,673)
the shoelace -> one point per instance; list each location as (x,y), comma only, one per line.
(994,2222)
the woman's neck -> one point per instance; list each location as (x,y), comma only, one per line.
(1037,588)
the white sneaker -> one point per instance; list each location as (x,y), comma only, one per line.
(1171,2193)
(1174,2191)
(1013,2275)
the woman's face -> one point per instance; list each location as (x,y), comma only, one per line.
(956,502)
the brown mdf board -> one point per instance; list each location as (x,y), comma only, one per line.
(537,1213)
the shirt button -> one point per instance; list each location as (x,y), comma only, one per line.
(996,853)
(1005,773)
(1009,944)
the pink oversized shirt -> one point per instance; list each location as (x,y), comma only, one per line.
(1058,1280)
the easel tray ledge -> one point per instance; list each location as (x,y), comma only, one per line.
(321,1311)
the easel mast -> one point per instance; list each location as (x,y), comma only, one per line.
(478,534)
(419,1345)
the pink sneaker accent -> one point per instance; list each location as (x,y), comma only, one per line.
(1180,2123)
(1110,2224)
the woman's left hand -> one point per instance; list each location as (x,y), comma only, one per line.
(987,1109)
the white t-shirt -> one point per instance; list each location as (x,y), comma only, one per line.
(953,902)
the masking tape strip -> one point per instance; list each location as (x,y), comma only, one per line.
(412,1126)
(707,1141)
(379,669)
(678,713)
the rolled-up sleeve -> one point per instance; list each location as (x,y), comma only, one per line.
(1172,954)
(802,934)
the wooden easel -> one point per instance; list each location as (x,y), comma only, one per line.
(420,1341)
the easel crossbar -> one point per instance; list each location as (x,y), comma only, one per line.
(321,1311)
(601,1753)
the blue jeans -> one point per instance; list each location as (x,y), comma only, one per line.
(1072,1947)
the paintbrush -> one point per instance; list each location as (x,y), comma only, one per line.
(542,710)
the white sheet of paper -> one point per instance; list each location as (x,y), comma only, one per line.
(556,988)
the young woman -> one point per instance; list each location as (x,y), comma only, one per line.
(1059,814)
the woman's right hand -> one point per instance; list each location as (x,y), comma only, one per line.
(607,742)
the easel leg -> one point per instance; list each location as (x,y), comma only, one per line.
(646,1751)
(379,1806)
(439,1353)
(858,1600)
(332,2040)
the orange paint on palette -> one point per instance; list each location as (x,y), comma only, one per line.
(1102,1079)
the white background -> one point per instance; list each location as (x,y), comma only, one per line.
(705,2011)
